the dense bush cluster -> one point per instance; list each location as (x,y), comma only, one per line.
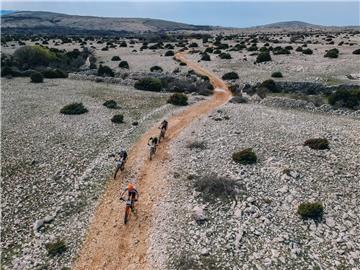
(263,57)
(56,248)
(124,64)
(277,74)
(36,77)
(345,98)
(149,84)
(54,73)
(230,76)
(178,99)
(333,53)
(117,119)
(74,108)
(105,71)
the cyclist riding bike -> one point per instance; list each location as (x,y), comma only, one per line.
(163,127)
(164,124)
(133,195)
(153,142)
(120,161)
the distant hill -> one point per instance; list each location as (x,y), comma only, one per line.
(4,12)
(290,24)
(50,23)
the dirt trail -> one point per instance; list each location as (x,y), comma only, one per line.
(111,245)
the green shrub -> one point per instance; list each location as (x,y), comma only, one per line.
(225,55)
(357,51)
(123,44)
(149,84)
(54,73)
(118,119)
(124,64)
(212,187)
(193,45)
(277,74)
(169,53)
(36,77)
(230,76)
(178,99)
(74,108)
(156,69)
(280,50)
(307,51)
(252,48)
(299,49)
(263,57)
(345,98)
(205,57)
(111,104)
(105,71)
(115,58)
(246,156)
(34,56)
(270,85)
(311,210)
(333,53)
(56,248)
(317,143)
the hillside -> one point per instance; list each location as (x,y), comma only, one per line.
(48,23)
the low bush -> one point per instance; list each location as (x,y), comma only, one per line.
(156,69)
(111,104)
(333,53)
(74,108)
(230,76)
(205,57)
(124,64)
(357,51)
(270,85)
(105,71)
(317,143)
(225,55)
(246,156)
(345,98)
(277,74)
(149,84)
(193,45)
(197,145)
(307,51)
(36,77)
(115,58)
(311,210)
(280,50)
(263,57)
(169,53)
(178,99)
(117,119)
(54,73)
(123,44)
(299,49)
(56,248)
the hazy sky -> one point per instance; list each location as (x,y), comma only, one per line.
(230,13)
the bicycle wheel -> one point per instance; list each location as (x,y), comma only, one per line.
(127,213)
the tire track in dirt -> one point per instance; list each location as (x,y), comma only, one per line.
(109,244)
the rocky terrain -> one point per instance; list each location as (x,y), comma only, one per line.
(260,228)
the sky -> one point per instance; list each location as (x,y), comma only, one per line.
(202,12)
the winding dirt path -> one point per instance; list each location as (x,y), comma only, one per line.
(109,243)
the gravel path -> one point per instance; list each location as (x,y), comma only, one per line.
(261,230)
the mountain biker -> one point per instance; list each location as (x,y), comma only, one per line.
(120,161)
(153,142)
(164,124)
(133,194)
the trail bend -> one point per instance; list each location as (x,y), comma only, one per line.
(111,245)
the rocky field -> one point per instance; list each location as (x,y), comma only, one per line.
(258,227)
(54,166)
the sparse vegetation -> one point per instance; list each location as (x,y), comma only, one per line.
(117,119)
(169,53)
(277,74)
(73,109)
(178,99)
(230,76)
(345,98)
(36,77)
(205,57)
(333,53)
(111,104)
(197,145)
(246,156)
(307,51)
(156,69)
(54,73)
(270,85)
(225,55)
(212,187)
(263,57)
(56,248)
(149,84)
(105,71)
(311,210)
(317,143)
(124,64)
(115,58)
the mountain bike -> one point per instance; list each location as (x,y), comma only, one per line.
(130,206)
(152,149)
(162,134)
